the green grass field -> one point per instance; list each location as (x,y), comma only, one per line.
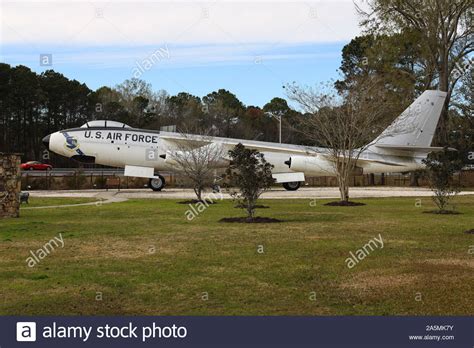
(144,257)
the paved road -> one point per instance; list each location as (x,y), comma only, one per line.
(303,193)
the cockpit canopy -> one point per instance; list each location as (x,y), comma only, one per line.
(105,124)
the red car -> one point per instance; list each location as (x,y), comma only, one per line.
(35,165)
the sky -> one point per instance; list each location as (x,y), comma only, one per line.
(250,48)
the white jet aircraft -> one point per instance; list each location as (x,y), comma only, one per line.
(144,153)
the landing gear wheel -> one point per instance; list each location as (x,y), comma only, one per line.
(292,186)
(157,184)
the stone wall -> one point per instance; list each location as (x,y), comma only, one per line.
(10,185)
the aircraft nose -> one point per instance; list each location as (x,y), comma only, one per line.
(46,141)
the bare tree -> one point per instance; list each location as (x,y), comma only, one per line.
(344,125)
(197,157)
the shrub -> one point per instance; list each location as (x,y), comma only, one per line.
(440,167)
(252,174)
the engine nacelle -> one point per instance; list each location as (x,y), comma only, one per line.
(311,165)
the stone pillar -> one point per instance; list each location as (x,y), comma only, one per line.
(10,185)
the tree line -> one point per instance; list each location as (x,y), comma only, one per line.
(33,105)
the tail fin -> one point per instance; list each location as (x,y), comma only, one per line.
(416,126)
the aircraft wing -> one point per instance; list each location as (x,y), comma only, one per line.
(186,142)
(194,141)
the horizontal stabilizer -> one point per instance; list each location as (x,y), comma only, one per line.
(362,161)
(411,148)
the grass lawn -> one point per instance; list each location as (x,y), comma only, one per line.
(144,257)
(42,202)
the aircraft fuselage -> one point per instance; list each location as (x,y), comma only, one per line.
(119,147)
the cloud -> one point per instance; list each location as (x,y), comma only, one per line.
(177,55)
(38,23)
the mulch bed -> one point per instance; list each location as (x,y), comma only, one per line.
(344,204)
(255,220)
(258,206)
(194,201)
(442,212)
